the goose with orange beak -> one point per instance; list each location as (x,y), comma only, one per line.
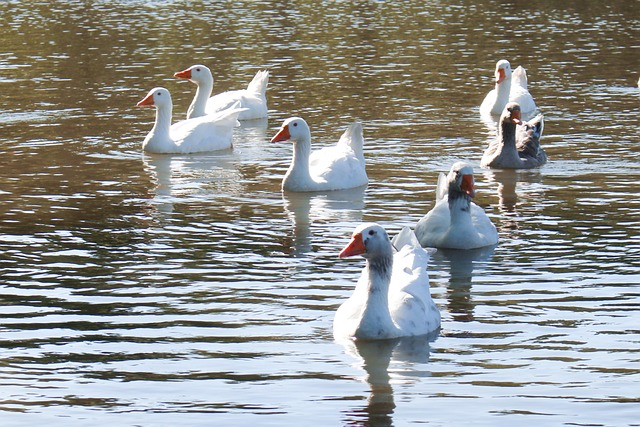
(392,297)
(253,99)
(517,145)
(455,222)
(336,167)
(510,86)
(209,133)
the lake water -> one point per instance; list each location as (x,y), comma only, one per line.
(188,290)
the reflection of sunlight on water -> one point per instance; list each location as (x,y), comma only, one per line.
(36,117)
(376,357)
(251,130)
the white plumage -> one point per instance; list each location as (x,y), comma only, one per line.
(337,167)
(392,298)
(208,133)
(511,86)
(253,99)
(455,222)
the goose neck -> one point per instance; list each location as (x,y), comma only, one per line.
(507,133)
(199,104)
(504,87)
(163,120)
(380,273)
(376,321)
(299,171)
(459,207)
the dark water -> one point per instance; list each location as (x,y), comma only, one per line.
(165,290)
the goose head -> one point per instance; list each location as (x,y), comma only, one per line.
(197,74)
(511,114)
(503,71)
(461,179)
(293,129)
(369,240)
(157,97)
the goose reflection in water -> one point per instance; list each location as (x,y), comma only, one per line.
(304,209)
(249,136)
(182,176)
(508,198)
(461,265)
(179,178)
(375,357)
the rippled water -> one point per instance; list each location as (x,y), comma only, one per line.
(165,290)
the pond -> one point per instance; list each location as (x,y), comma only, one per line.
(159,290)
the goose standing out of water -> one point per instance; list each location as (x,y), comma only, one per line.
(392,297)
(517,145)
(455,222)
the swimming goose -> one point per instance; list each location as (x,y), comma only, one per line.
(208,133)
(455,222)
(336,167)
(510,86)
(392,297)
(516,147)
(253,98)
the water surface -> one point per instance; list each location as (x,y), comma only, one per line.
(161,290)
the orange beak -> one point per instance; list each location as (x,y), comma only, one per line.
(467,185)
(355,247)
(185,74)
(500,75)
(282,135)
(148,100)
(516,117)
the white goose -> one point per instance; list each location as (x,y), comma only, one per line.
(253,98)
(516,147)
(209,133)
(455,222)
(392,297)
(510,86)
(337,167)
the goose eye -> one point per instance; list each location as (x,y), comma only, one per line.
(295,124)
(371,232)
(159,94)
(198,69)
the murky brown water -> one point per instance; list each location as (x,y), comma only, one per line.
(164,290)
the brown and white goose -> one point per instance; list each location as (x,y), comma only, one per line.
(517,145)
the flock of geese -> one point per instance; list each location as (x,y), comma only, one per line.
(392,297)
